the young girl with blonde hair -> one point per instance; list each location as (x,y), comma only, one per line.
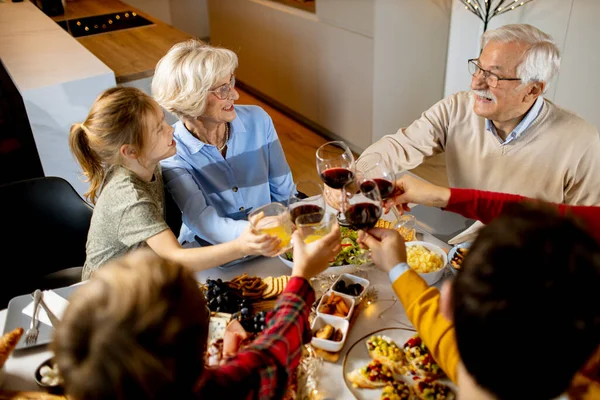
(119,147)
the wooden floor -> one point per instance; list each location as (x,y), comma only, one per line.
(299,143)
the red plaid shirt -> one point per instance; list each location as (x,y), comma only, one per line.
(262,370)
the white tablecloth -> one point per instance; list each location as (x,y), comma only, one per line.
(21,366)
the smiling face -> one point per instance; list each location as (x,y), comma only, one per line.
(159,143)
(510,99)
(217,110)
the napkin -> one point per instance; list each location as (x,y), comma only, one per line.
(55,303)
(468,235)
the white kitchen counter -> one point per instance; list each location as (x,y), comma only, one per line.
(57,78)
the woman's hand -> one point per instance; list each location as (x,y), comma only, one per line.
(413,190)
(313,258)
(386,245)
(252,242)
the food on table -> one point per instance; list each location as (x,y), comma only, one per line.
(249,286)
(222,298)
(8,342)
(50,375)
(429,389)
(387,352)
(420,362)
(351,253)
(423,260)
(252,323)
(458,257)
(353,289)
(396,390)
(407,233)
(274,286)
(214,353)
(328,332)
(334,305)
(371,376)
(216,326)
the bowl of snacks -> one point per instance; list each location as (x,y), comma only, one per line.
(350,254)
(351,285)
(457,254)
(329,333)
(337,305)
(427,259)
(48,377)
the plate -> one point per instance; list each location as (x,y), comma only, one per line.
(358,356)
(290,264)
(16,318)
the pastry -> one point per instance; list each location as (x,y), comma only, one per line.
(429,389)
(419,360)
(8,343)
(396,390)
(386,351)
(372,375)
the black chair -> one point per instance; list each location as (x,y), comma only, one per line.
(45,224)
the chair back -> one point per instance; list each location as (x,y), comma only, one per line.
(45,224)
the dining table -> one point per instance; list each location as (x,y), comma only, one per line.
(384,311)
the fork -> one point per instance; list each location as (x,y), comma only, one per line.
(32,333)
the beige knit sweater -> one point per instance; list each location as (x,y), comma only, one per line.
(556,159)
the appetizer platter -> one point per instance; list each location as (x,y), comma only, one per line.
(394,364)
(458,253)
(336,312)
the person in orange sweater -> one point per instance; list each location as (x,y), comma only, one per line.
(517,320)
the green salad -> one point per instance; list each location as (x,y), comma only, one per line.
(351,252)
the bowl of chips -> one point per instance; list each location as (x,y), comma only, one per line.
(428,259)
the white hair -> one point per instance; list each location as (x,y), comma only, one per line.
(184,76)
(541,59)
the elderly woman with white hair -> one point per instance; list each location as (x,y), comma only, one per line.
(229,159)
(503,135)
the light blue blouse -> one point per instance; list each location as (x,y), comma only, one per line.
(216,194)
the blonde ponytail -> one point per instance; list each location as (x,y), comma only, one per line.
(118,116)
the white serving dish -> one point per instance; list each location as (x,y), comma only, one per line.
(432,277)
(337,323)
(350,279)
(349,300)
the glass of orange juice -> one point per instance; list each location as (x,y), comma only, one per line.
(315,225)
(273,219)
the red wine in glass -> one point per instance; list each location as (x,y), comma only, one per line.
(307,209)
(386,188)
(336,178)
(363,215)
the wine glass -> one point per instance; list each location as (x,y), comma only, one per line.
(381,172)
(336,167)
(306,197)
(361,202)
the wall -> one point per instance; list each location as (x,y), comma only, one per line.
(190,16)
(572,24)
(411,41)
(321,71)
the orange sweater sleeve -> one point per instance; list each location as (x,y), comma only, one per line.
(422,305)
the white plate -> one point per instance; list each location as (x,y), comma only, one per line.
(358,356)
(290,264)
(452,252)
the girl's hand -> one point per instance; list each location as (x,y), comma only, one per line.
(254,243)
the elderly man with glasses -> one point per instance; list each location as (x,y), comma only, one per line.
(229,159)
(503,136)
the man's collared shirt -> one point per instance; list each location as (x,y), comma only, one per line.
(523,125)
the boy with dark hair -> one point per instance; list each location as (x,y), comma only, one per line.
(520,305)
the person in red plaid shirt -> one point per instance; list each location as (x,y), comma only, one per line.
(138,330)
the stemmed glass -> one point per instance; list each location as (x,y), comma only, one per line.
(306,197)
(382,173)
(336,166)
(361,202)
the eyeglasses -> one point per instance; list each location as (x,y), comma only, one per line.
(223,91)
(490,78)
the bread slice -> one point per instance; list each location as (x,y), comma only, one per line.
(8,343)
(371,376)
